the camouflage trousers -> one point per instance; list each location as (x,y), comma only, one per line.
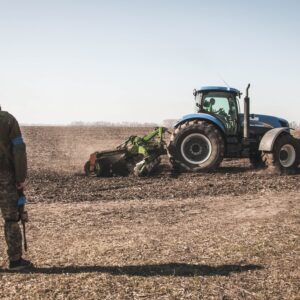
(10,214)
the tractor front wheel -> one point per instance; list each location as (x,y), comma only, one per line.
(284,158)
(196,146)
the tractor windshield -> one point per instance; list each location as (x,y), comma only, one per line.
(223,106)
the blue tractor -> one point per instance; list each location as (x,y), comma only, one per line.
(218,130)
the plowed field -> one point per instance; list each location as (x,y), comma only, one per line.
(231,234)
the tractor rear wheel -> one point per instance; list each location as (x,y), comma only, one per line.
(196,146)
(284,158)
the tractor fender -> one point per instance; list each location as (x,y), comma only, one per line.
(203,117)
(268,140)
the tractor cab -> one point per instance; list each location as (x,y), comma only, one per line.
(222,103)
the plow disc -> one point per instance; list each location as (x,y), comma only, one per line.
(137,155)
(107,163)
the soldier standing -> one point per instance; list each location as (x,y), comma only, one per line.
(13,171)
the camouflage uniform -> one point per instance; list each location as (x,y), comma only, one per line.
(13,169)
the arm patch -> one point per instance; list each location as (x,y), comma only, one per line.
(17,141)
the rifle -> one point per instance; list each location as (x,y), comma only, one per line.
(23,215)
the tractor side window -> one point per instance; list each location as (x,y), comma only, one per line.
(232,115)
(223,106)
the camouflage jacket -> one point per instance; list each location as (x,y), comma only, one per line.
(12,148)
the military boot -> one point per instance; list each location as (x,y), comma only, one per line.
(20,264)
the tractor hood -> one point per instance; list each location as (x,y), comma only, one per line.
(265,121)
(255,120)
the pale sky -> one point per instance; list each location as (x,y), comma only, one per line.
(85,60)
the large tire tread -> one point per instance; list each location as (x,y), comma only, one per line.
(208,129)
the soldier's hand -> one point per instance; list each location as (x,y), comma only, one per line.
(21,185)
(24,216)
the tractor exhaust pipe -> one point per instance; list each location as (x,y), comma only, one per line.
(246,114)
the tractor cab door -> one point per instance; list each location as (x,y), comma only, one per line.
(223,106)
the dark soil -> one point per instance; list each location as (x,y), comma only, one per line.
(231,234)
